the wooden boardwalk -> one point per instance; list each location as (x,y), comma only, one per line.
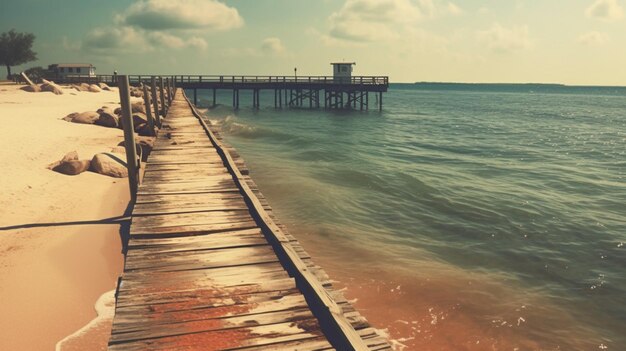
(209,268)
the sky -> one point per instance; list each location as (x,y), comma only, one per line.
(577,42)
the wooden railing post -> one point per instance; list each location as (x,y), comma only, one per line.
(169,91)
(129,135)
(146,102)
(155,102)
(162,93)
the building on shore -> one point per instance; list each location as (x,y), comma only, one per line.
(68,70)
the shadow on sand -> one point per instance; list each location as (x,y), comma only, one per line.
(123,221)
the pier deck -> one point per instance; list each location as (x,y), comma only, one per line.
(209,268)
(289,91)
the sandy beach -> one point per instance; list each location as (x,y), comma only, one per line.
(60,248)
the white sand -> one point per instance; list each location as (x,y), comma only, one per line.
(52,275)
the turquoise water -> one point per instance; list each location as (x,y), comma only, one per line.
(494,211)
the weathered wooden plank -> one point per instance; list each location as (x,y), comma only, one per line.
(150,331)
(188,219)
(314,344)
(191,230)
(257,299)
(227,339)
(142,291)
(156,317)
(194,260)
(178,167)
(187,198)
(217,240)
(170,208)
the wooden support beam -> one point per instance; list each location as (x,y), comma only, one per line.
(155,102)
(129,136)
(169,90)
(162,93)
(146,103)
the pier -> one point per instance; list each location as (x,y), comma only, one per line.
(209,267)
(289,91)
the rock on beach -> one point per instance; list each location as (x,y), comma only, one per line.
(110,164)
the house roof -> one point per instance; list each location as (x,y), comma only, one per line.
(343,63)
(73,65)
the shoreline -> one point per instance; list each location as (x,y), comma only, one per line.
(53,268)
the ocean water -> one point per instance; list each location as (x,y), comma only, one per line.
(461,217)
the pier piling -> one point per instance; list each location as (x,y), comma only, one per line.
(129,136)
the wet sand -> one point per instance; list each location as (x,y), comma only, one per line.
(53,266)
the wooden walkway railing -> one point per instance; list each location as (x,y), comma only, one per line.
(237,79)
(209,268)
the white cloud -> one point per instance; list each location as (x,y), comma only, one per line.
(371,20)
(197,43)
(168,40)
(181,14)
(123,39)
(163,39)
(155,24)
(502,39)
(379,20)
(593,38)
(129,39)
(272,45)
(608,10)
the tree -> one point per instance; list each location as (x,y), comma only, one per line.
(16,49)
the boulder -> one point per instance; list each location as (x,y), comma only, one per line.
(34,88)
(110,164)
(136,92)
(145,143)
(75,87)
(73,167)
(119,150)
(104,86)
(71,116)
(139,118)
(144,130)
(89,117)
(51,87)
(107,119)
(139,126)
(94,88)
(135,108)
(70,156)
(70,164)
(106,109)
(138,107)
(84,87)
